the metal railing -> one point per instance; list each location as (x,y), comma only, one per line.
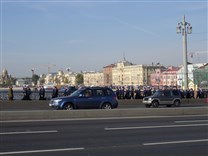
(18,95)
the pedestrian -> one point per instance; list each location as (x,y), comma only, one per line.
(117,93)
(128,93)
(42,93)
(10,93)
(192,93)
(66,91)
(138,93)
(199,93)
(187,93)
(24,93)
(122,93)
(132,92)
(55,92)
(28,93)
(145,92)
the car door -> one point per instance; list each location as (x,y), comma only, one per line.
(166,97)
(85,99)
(99,97)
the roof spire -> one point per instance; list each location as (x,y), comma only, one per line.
(124,56)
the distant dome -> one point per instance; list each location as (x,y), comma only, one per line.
(5,72)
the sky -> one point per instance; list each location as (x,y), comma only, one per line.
(88,35)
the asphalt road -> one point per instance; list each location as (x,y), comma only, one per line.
(158,136)
(22,105)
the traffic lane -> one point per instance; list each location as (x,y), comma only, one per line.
(91,137)
(79,123)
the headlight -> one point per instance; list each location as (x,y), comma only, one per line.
(149,99)
(57,101)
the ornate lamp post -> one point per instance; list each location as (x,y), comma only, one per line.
(184,28)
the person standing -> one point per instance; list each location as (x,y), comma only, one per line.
(24,89)
(10,93)
(42,93)
(28,93)
(55,92)
(66,90)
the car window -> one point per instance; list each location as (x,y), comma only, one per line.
(166,93)
(99,92)
(87,93)
(77,92)
(108,92)
(158,93)
(176,92)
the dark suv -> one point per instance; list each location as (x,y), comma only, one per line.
(163,97)
(87,98)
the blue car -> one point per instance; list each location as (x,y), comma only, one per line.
(87,98)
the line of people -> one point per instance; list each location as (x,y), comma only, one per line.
(131,93)
(27,93)
(121,93)
(55,93)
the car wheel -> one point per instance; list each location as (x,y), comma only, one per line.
(106,106)
(177,103)
(155,104)
(68,106)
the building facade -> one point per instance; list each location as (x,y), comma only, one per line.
(157,77)
(201,77)
(170,76)
(93,78)
(191,69)
(128,74)
(107,75)
(60,78)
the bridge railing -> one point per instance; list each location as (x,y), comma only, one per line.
(18,95)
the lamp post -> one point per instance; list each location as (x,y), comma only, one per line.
(33,71)
(184,28)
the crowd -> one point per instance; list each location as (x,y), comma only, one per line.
(122,92)
(26,92)
(132,93)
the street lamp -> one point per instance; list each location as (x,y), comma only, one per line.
(33,71)
(184,28)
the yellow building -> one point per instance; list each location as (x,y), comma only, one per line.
(93,79)
(128,74)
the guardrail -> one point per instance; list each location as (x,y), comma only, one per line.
(18,95)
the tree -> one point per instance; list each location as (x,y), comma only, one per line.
(42,81)
(35,79)
(79,79)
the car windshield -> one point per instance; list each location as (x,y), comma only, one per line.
(77,92)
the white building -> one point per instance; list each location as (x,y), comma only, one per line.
(180,75)
(61,78)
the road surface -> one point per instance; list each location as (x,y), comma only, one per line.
(149,136)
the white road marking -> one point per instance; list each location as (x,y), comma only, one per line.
(149,127)
(190,121)
(28,132)
(174,142)
(41,151)
(102,118)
